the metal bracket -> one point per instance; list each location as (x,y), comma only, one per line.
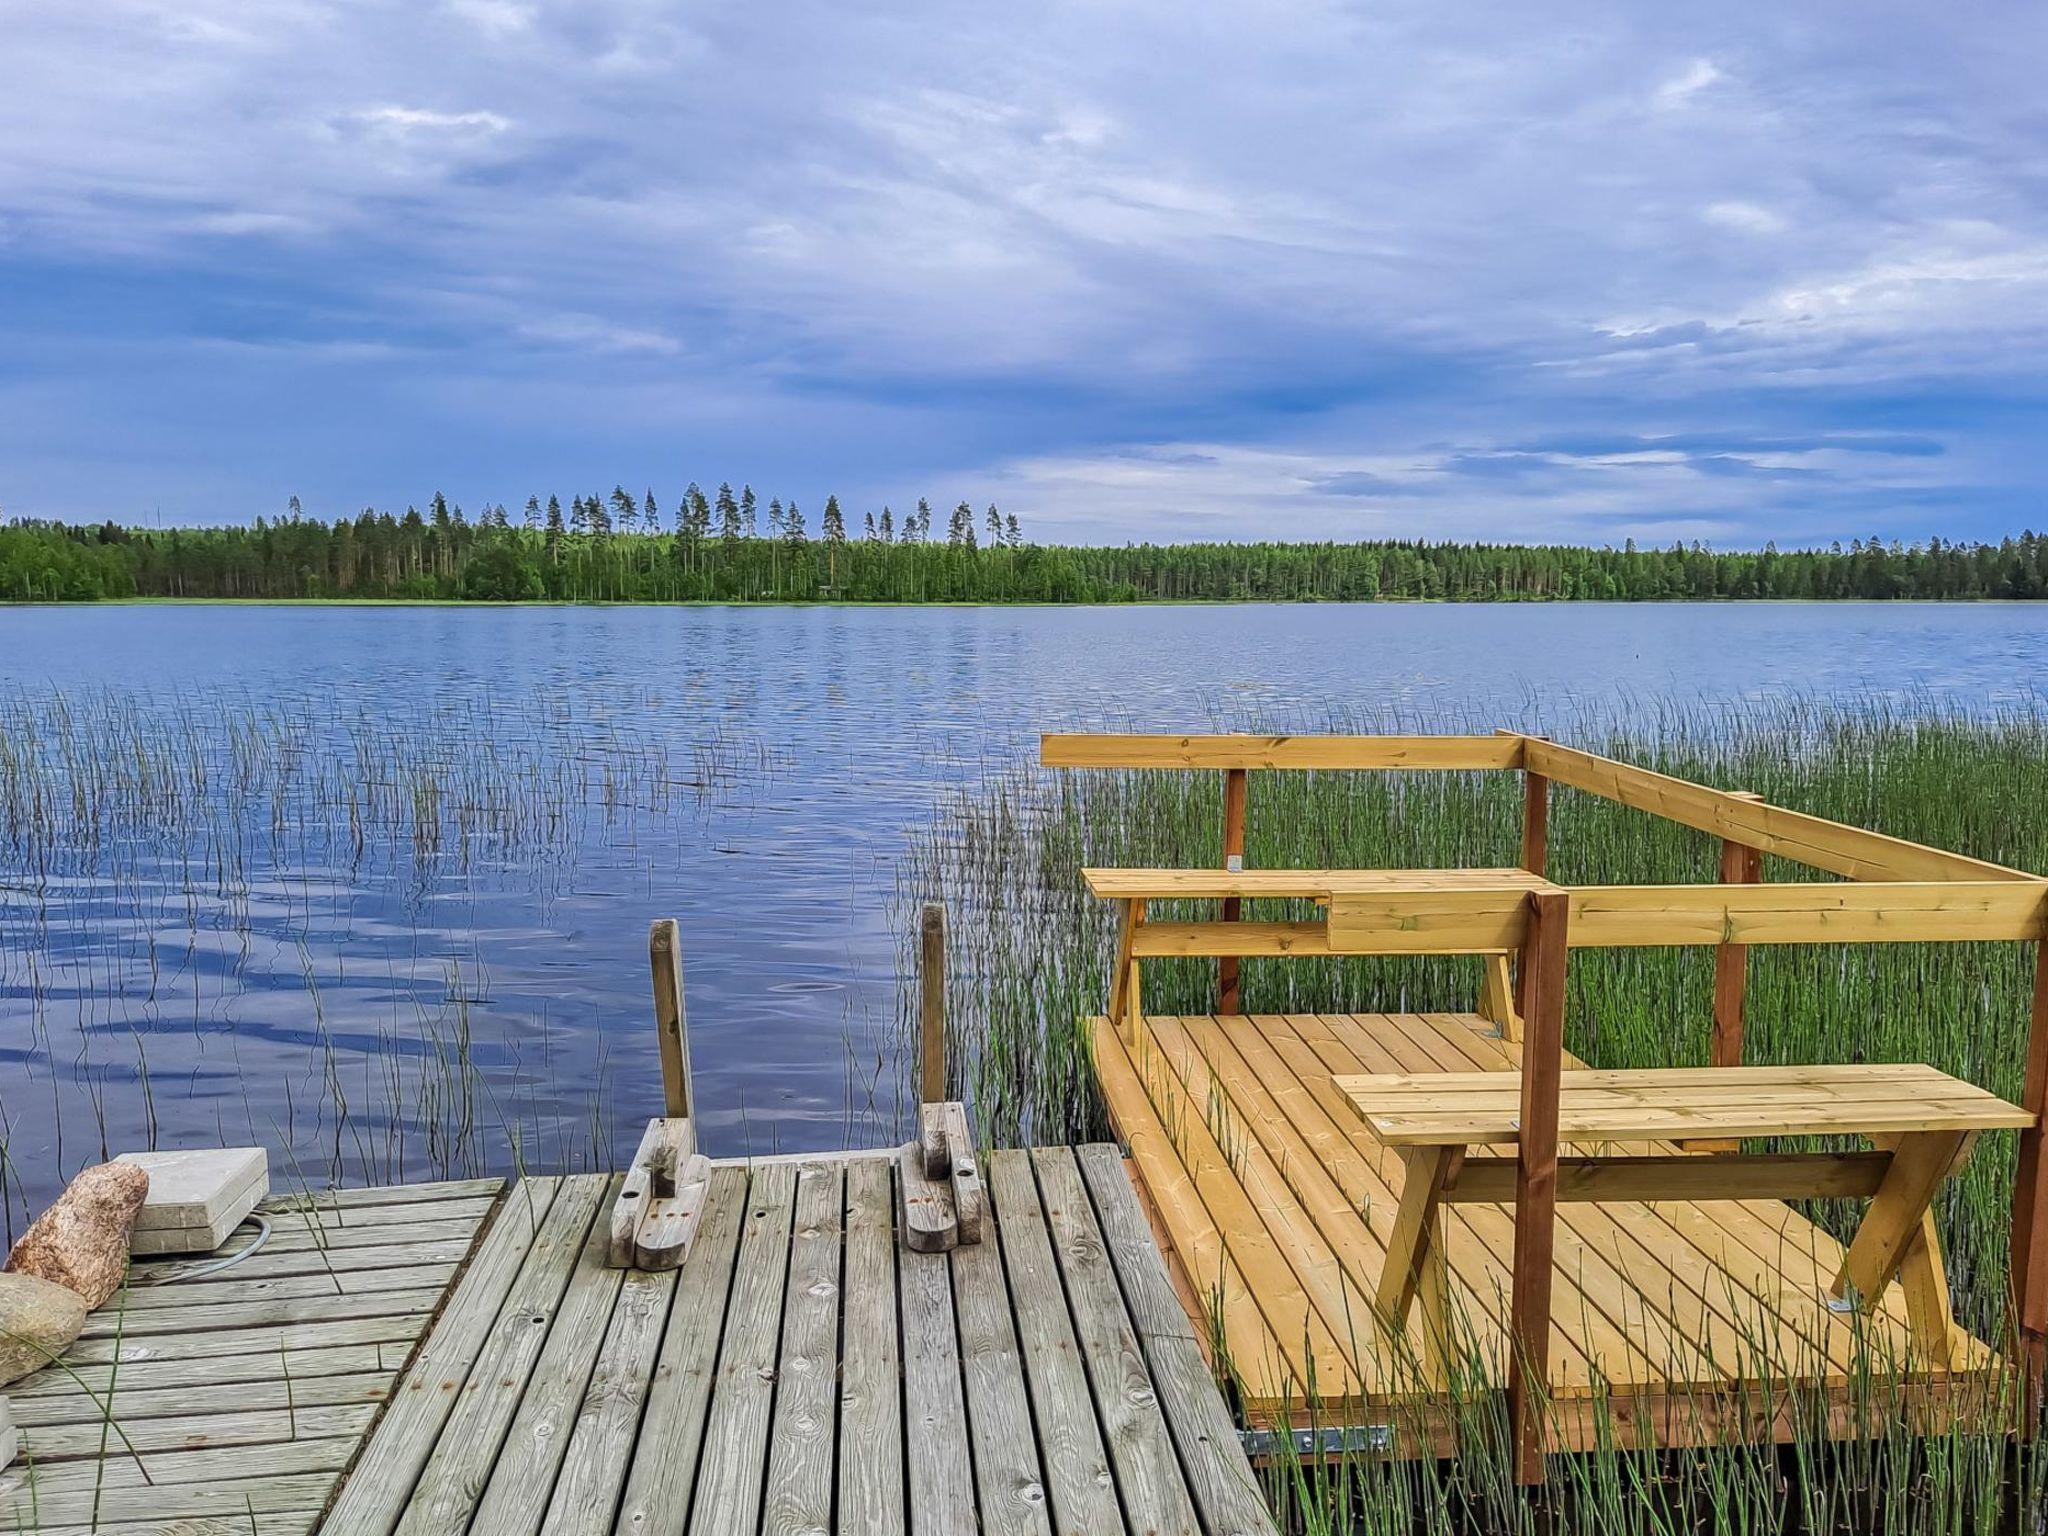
(1234,864)
(1337,1440)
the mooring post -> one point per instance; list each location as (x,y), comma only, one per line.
(665,959)
(1543,972)
(1740,865)
(1236,789)
(2029,1261)
(931,1004)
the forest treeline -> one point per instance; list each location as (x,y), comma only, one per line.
(725,547)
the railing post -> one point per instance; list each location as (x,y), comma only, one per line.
(2029,1260)
(672,1028)
(1236,786)
(1535,822)
(931,1004)
(1740,865)
(1543,974)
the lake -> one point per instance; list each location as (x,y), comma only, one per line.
(373,884)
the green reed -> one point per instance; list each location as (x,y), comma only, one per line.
(1031,951)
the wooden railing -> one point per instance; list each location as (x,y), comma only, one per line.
(1892,891)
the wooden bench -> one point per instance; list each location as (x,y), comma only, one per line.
(1923,1124)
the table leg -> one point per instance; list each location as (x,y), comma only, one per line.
(1415,1255)
(1897,1235)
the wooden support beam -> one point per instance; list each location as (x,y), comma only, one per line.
(1544,955)
(1060,750)
(1740,865)
(672,1028)
(1811,840)
(1124,1001)
(1497,996)
(970,1197)
(1236,788)
(931,1004)
(1718,1176)
(1535,822)
(1920,1161)
(2030,1200)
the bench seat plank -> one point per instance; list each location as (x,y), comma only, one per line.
(1484,1108)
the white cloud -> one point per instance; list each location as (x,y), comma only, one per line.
(1684,86)
(1745,218)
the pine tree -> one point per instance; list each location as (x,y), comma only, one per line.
(918,526)
(752,528)
(774,517)
(650,512)
(995,527)
(832,525)
(793,526)
(579,516)
(868,533)
(960,528)
(625,510)
(728,515)
(888,526)
(1012,534)
(554,533)
(532,517)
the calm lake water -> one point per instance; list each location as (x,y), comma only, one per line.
(369,844)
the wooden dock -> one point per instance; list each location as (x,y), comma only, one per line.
(802,1372)
(1621,1259)
(1278,1208)
(235,1403)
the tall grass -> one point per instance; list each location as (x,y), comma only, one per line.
(1031,952)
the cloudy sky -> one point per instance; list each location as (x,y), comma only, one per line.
(1147,270)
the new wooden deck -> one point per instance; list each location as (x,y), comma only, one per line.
(803,1372)
(1276,1205)
(241,1398)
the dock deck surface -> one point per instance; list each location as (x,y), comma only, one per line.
(803,1372)
(237,1400)
(1687,1320)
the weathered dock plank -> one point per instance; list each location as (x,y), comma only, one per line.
(805,1372)
(242,1394)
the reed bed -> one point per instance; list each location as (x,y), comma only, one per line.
(203,891)
(1030,954)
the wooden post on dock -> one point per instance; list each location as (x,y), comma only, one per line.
(1542,973)
(1740,865)
(2030,1203)
(665,959)
(1535,822)
(931,1004)
(1236,788)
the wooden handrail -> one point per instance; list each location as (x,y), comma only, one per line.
(1327,753)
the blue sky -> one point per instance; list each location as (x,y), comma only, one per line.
(1146,270)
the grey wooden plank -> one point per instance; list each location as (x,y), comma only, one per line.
(1009,1483)
(1078,1479)
(729,1481)
(290,1234)
(1149,1481)
(383,1194)
(320,1220)
(380,1483)
(870,1373)
(275,1259)
(1223,1483)
(586,1496)
(130,1405)
(48,1444)
(231,1499)
(798,1500)
(175,1469)
(217,1344)
(113,1320)
(456,1474)
(292,1523)
(934,1411)
(324,1281)
(137,1377)
(522,1478)
(664,1471)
